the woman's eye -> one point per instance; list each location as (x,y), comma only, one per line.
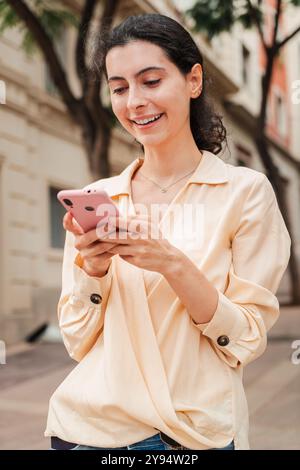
(152,82)
(118,91)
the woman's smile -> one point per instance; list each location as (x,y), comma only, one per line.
(149,124)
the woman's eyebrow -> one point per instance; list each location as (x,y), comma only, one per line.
(138,73)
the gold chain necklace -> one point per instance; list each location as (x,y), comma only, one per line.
(165,189)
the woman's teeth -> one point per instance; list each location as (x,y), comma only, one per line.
(148,121)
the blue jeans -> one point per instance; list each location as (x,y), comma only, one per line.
(151,443)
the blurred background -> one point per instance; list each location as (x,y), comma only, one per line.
(57,131)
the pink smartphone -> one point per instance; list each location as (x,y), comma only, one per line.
(89,207)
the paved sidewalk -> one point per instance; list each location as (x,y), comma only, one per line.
(272,385)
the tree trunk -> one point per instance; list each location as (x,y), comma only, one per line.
(96,138)
(97,150)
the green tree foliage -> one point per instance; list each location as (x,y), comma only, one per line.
(52,16)
(215,16)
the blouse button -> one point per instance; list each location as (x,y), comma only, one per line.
(96,298)
(223,340)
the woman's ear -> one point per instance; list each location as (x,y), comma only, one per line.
(195,80)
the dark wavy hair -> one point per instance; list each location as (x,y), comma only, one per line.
(206,125)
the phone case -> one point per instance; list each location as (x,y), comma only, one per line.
(89,207)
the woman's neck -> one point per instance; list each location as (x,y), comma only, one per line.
(164,166)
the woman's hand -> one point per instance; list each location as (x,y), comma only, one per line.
(141,243)
(94,253)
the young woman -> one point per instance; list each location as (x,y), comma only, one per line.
(162,324)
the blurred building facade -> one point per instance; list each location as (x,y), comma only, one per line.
(41,153)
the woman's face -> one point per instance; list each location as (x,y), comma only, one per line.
(138,94)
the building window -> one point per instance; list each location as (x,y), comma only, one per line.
(57,212)
(245,65)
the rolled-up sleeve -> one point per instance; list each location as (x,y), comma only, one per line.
(248,307)
(82,303)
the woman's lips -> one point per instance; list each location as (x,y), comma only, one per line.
(150,124)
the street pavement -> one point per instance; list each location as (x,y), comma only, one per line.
(33,371)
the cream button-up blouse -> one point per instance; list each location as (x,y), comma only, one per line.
(143,364)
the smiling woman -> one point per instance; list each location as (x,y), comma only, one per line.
(162,325)
(168,68)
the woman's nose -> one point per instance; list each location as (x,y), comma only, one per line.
(135,99)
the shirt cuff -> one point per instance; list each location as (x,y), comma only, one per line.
(227,324)
(94,289)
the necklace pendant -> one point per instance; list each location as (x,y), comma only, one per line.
(164,190)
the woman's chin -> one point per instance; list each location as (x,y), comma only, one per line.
(151,140)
